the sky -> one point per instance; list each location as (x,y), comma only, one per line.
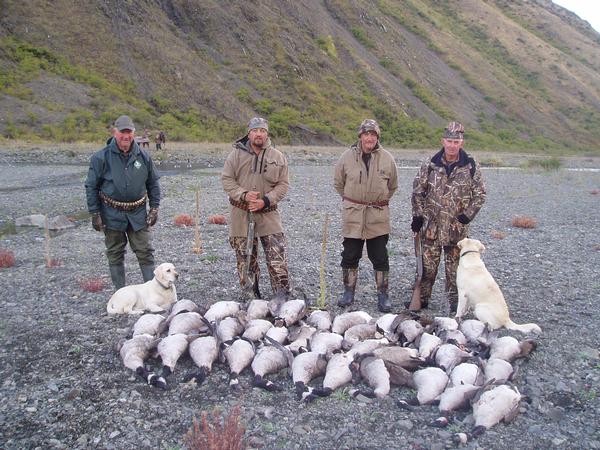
(588,10)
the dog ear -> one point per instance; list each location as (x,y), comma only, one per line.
(481,247)
(460,243)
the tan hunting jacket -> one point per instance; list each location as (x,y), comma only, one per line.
(352,181)
(266,173)
(440,197)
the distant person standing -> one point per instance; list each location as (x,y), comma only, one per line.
(146,139)
(366,178)
(255,177)
(158,141)
(163,139)
(448,192)
(121,180)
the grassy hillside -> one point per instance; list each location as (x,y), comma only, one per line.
(520,74)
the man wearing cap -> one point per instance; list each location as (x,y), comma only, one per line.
(448,192)
(255,177)
(366,178)
(121,180)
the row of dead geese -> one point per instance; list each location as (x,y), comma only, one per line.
(456,365)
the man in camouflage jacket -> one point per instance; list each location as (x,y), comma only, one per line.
(121,180)
(448,192)
(255,177)
(366,178)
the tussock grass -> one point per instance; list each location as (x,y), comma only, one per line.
(212,432)
(498,234)
(92,284)
(217,219)
(545,163)
(183,220)
(7,259)
(524,222)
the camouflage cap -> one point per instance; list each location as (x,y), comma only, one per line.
(369,125)
(258,122)
(124,123)
(454,130)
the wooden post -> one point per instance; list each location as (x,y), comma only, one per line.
(47,256)
(198,241)
(322,302)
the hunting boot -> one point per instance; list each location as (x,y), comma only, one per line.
(383,301)
(255,287)
(117,275)
(147,272)
(350,277)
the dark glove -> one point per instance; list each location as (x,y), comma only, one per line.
(97,222)
(152,217)
(416,224)
(463,219)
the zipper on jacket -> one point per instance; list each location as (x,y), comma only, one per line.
(360,178)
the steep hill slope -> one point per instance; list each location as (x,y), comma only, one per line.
(520,74)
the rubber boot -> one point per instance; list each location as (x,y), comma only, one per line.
(117,275)
(383,300)
(256,287)
(147,272)
(350,277)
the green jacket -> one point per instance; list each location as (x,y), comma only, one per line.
(124,179)
(440,197)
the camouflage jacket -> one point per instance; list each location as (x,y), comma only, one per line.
(266,173)
(442,192)
(353,181)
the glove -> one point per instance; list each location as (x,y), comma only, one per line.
(463,219)
(416,224)
(97,222)
(152,217)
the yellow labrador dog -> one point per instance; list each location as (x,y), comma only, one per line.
(155,295)
(478,290)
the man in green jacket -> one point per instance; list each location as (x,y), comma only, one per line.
(366,178)
(121,180)
(448,192)
(255,177)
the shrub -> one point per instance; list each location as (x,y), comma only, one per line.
(524,222)
(497,234)
(92,284)
(216,434)
(546,164)
(217,219)
(594,192)
(184,220)
(53,262)
(7,258)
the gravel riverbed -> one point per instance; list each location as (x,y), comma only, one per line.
(64,386)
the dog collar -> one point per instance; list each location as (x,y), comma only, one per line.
(468,251)
(162,285)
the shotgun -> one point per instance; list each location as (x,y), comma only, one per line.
(415,302)
(247,275)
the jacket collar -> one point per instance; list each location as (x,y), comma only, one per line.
(358,148)
(112,145)
(463,159)
(243,144)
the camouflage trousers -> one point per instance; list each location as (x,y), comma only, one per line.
(274,248)
(432,253)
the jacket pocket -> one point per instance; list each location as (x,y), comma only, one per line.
(271,171)
(457,231)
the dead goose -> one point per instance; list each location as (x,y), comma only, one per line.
(187,323)
(220,310)
(204,352)
(228,328)
(239,355)
(135,351)
(337,374)
(359,333)
(509,349)
(268,359)
(410,330)
(325,343)
(299,338)
(457,397)
(384,325)
(428,343)
(183,305)
(280,334)
(500,403)
(430,383)
(256,329)
(291,312)
(321,320)
(407,358)
(305,367)
(447,356)
(466,373)
(498,369)
(344,321)
(453,337)
(444,324)
(257,309)
(376,375)
(170,349)
(151,324)
(474,330)
(367,346)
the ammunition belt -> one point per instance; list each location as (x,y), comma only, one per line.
(122,206)
(378,203)
(244,205)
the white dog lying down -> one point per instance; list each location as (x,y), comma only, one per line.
(156,295)
(477,289)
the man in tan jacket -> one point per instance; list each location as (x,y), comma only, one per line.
(366,178)
(255,178)
(448,192)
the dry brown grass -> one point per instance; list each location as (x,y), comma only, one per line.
(53,262)
(183,220)
(214,433)
(498,234)
(524,222)
(7,259)
(92,284)
(217,219)
(594,191)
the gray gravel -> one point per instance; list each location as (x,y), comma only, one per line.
(63,385)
